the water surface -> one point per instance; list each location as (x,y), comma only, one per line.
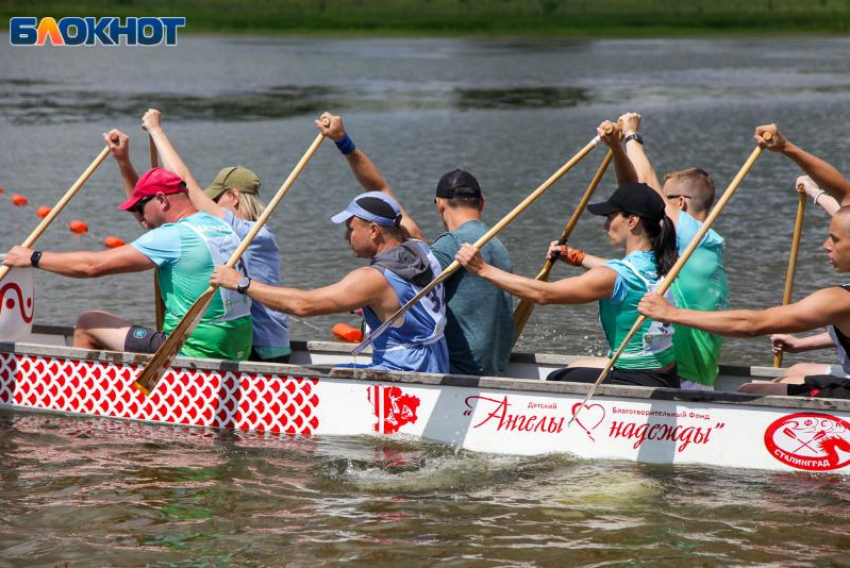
(97,492)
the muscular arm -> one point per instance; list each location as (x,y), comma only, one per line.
(595,284)
(362,287)
(822,172)
(85,264)
(818,310)
(366,172)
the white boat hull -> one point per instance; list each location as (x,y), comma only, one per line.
(493,415)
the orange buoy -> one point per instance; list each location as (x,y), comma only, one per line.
(1,190)
(19,200)
(43,211)
(111,241)
(78,227)
(345,332)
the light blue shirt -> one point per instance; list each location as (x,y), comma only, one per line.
(262,259)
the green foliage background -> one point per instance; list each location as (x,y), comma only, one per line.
(468,17)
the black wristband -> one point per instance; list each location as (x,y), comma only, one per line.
(35,258)
(636,137)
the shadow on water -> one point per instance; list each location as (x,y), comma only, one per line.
(28,102)
(521,97)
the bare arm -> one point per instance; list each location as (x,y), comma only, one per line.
(623,167)
(818,196)
(815,311)
(84,264)
(367,173)
(595,284)
(362,287)
(646,174)
(119,147)
(793,344)
(823,173)
(151,122)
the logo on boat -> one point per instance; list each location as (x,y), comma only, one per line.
(498,412)
(590,419)
(809,441)
(392,408)
(11,297)
(72,31)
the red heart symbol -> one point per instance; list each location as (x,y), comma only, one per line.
(594,415)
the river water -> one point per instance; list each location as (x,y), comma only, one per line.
(95,492)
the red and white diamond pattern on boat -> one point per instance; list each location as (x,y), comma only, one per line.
(231,400)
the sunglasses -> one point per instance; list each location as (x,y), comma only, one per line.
(677,196)
(140,205)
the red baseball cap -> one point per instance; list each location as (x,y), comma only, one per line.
(152,182)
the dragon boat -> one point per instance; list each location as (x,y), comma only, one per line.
(519,414)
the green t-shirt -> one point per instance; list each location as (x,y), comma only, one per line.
(479,317)
(183,252)
(651,347)
(701,285)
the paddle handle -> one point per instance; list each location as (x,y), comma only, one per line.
(159,305)
(791,271)
(54,212)
(485,238)
(674,272)
(261,220)
(525,307)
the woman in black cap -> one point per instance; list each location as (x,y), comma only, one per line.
(636,222)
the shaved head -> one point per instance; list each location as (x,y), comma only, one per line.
(841,219)
(838,242)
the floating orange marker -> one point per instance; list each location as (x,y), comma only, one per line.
(19,200)
(1,190)
(78,227)
(111,241)
(43,211)
(345,332)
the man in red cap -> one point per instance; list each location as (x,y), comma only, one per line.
(185,245)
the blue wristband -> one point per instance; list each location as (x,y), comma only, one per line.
(345,145)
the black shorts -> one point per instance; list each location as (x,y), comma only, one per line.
(143,339)
(631,377)
(822,386)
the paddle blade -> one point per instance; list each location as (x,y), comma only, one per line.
(161,360)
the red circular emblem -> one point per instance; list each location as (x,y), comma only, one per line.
(809,441)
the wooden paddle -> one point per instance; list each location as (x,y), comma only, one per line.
(792,259)
(683,258)
(161,360)
(158,303)
(72,191)
(450,269)
(525,307)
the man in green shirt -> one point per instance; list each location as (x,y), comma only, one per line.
(702,283)
(185,244)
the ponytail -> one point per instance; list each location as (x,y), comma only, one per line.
(662,237)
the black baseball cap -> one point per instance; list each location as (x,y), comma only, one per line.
(633,199)
(456,179)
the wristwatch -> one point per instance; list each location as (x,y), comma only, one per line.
(243,284)
(35,257)
(636,137)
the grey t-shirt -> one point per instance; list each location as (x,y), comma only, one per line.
(479,316)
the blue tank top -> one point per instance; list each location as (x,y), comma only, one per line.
(418,344)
